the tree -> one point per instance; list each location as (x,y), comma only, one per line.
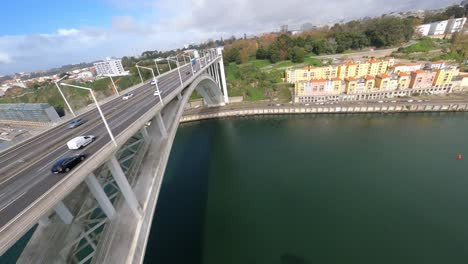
(231,55)
(274,52)
(455,11)
(262,53)
(297,54)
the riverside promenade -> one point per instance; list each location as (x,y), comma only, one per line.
(336,108)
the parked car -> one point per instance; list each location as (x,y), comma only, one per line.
(380,102)
(80,142)
(66,164)
(156,93)
(76,123)
(127,96)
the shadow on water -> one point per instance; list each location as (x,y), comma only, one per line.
(12,255)
(178,226)
(288,258)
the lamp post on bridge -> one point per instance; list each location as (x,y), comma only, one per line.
(139,73)
(113,84)
(64,98)
(155,82)
(178,68)
(98,107)
(190,61)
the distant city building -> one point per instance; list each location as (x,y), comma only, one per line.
(307,27)
(109,66)
(284,29)
(442,27)
(28,112)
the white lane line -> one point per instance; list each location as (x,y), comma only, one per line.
(8,204)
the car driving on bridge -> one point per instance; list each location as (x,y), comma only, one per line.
(80,142)
(68,163)
(76,123)
(156,93)
(127,96)
(153,82)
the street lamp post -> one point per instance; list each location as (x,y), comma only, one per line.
(64,98)
(178,68)
(98,107)
(155,82)
(157,67)
(113,84)
(139,73)
(190,61)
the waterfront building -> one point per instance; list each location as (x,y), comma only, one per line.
(382,82)
(406,67)
(443,77)
(422,79)
(28,112)
(404,80)
(434,65)
(110,67)
(350,84)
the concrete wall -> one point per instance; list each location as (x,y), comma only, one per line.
(329,109)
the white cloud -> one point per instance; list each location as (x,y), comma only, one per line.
(5,58)
(168,24)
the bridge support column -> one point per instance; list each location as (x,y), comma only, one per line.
(62,211)
(124,186)
(162,127)
(216,67)
(100,195)
(223,78)
(144,133)
(44,220)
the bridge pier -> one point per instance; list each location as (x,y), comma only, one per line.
(161,126)
(44,220)
(223,76)
(100,196)
(125,188)
(63,213)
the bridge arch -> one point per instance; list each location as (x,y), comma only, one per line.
(209,89)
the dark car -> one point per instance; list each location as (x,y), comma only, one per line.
(76,123)
(66,164)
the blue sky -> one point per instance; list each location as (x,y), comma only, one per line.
(37,35)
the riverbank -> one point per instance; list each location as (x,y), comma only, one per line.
(278,109)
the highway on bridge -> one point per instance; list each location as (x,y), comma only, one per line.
(25,169)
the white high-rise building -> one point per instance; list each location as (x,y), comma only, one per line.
(110,67)
(442,27)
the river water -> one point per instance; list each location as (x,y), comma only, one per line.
(316,189)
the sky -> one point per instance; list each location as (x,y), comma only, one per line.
(41,34)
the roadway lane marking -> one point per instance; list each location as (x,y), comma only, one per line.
(8,204)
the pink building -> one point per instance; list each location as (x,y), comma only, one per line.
(422,79)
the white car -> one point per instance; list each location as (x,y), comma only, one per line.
(127,96)
(410,101)
(153,82)
(156,93)
(80,142)
(380,102)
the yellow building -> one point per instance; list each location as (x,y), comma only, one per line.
(336,85)
(404,80)
(370,83)
(444,76)
(377,66)
(308,73)
(382,81)
(351,85)
(360,70)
